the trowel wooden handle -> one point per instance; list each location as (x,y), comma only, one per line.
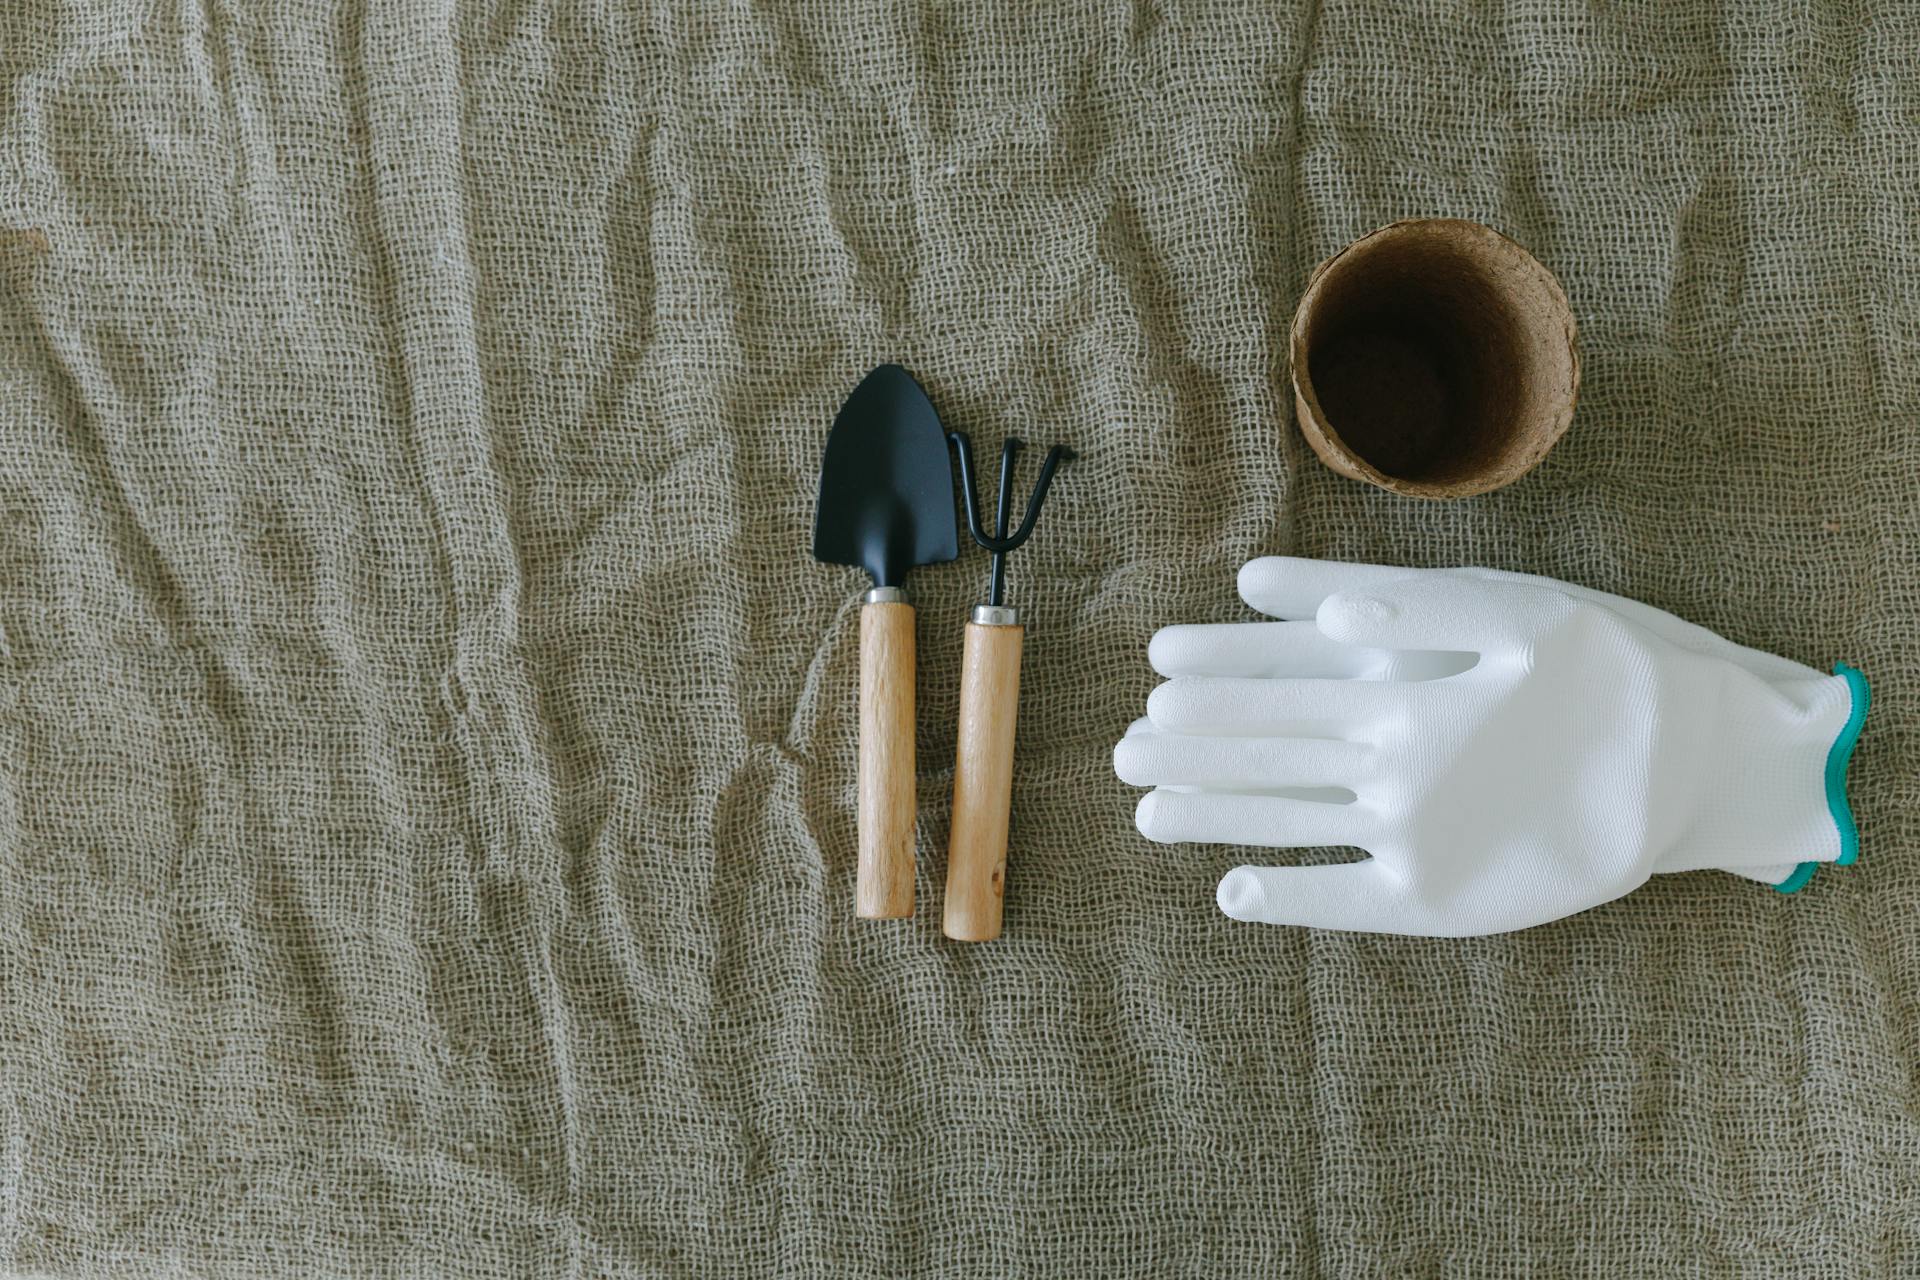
(983,778)
(885,885)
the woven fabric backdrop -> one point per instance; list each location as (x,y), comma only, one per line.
(427,748)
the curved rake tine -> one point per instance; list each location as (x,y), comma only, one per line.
(1008,452)
(1055,456)
(963,452)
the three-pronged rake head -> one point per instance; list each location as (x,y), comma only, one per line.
(1000,542)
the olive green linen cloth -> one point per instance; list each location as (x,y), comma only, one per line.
(427,749)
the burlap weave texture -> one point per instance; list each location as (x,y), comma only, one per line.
(426,747)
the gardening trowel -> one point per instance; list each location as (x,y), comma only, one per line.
(886,505)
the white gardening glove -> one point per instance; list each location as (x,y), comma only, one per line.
(1509,749)
(1275,583)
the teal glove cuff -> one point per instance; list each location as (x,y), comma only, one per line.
(1838,756)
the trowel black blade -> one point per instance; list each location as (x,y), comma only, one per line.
(886,482)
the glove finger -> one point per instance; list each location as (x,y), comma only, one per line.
(1251,764)
(1276,822)
(1298,649)
(1293,587)
(1362,896)
(1231,706)
(1443,611)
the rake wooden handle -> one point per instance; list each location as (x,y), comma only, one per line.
(983,779)
(885,883)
